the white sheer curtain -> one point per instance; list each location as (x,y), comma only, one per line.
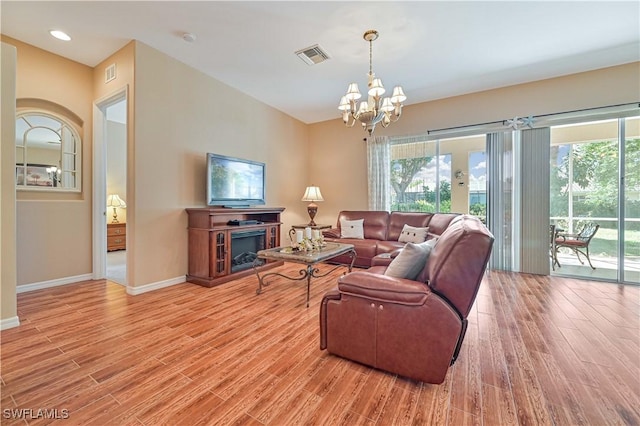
(378,165)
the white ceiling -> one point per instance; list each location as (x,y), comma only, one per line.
(433,49)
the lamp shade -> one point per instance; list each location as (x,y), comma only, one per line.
(353,93)
(376,88)
(312,193)
(398,95)
(114,200)
(387,106)
(344,104)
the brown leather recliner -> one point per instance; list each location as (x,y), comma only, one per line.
(411,328)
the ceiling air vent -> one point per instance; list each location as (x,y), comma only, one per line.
(312,55)
(110,73)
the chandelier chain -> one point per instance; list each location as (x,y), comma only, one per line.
(370,57)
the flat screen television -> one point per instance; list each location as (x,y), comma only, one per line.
(234,182)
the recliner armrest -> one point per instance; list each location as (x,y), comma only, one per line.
(383,288)
(332,233)
(385,259)
(332,294)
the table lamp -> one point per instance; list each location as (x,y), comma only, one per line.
(313,194)
(114,200)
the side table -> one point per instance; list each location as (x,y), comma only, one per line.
(116,236)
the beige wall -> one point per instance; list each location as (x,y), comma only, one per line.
(180,115)
(342,150)
(8,306)
(54,229)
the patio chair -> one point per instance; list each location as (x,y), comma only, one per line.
(553,250)
(578,243)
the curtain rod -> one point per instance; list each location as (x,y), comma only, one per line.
(636,104)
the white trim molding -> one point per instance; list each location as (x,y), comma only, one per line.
(9,323)
(134,291)
(53,283)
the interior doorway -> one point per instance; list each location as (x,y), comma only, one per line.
(116,156)
(110,254)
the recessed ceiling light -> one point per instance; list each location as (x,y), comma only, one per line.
(60,35)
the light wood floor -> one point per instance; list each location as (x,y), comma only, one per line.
(539,350)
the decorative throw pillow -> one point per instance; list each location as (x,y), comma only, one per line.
(412,234)
(352,228)
(411,260)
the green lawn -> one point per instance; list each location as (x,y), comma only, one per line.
(604,243)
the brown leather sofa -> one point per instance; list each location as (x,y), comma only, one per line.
(381,232)
(411,328)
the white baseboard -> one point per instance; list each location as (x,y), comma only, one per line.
(86,277)
(134,291)
(9,323)
(53,283)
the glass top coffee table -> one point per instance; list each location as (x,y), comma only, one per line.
(308,258)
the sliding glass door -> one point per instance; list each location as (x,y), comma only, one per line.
(594,187)
(630,129)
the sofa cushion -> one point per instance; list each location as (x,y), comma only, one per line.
(397,220)
(388,246)
(375,222)
(412,234)
(365,251)
(439,222)
(352,228)
(410,261)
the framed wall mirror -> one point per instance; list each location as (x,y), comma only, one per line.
(48,153)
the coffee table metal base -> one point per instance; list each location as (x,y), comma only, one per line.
(311,271)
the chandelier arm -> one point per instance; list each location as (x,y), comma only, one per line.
(376,103)
(395,116)
(350,121)
(352,106)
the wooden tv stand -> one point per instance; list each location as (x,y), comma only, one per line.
(210,238)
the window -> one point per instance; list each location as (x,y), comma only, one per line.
(415,182)
(420,180)
(47,153)
(478,184)
(444,175)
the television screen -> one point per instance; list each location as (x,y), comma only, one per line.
(234,182)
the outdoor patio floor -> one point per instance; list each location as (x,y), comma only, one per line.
(606,268)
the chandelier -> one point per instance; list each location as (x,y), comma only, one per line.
(375,109)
